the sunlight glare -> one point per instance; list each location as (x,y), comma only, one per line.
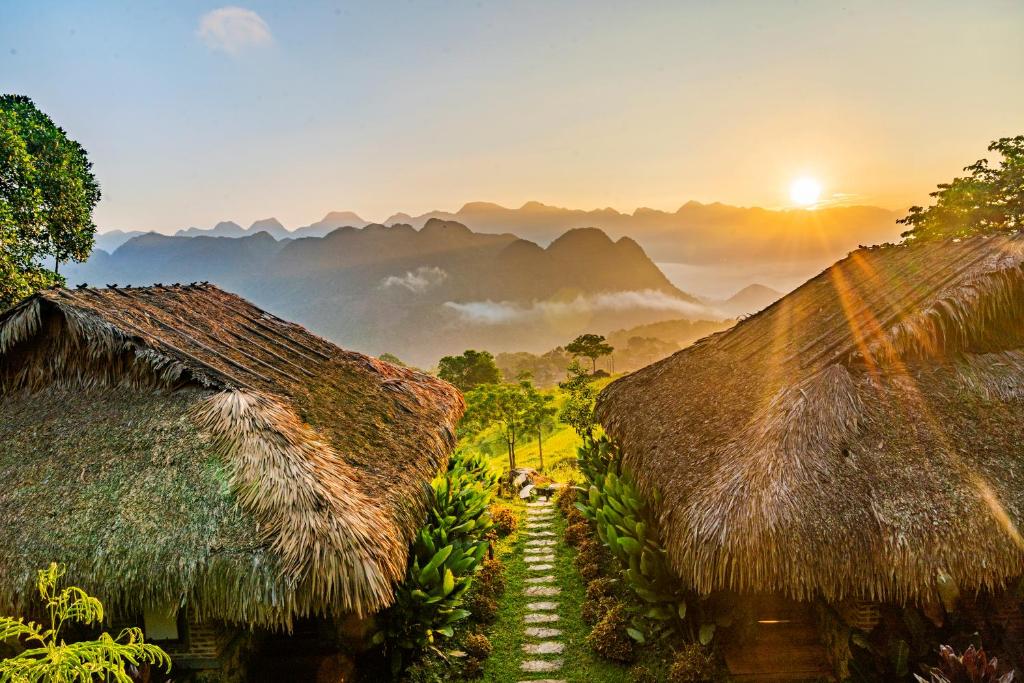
(805,191)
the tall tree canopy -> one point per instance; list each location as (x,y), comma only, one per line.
(988,200)
(507,405)
(591,346)
(47,195)
(469,370)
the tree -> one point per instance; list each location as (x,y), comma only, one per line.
(538,416)
(591,346)
(988,200)
(469,370)
(578,409)
(502,404)
(48,657)
(47,195)
(392,358)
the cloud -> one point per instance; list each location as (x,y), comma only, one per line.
(501,312)
(233,30)
(416,281)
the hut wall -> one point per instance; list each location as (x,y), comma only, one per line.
(785,644)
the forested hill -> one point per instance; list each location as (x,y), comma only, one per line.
(417,293)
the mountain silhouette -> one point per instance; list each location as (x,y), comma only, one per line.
(417,293)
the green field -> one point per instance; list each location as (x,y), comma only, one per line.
(560,445)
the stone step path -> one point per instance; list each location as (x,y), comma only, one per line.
(541,653)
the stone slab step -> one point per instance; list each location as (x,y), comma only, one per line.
(541,632)
(547,647)
(541,665)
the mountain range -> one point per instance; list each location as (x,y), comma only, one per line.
(417,293)
(698,234)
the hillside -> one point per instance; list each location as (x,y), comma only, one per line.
(417,293)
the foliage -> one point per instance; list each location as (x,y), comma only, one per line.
(627,526)
(693,664)
(973,666)
(600,587)
(478,645)
(539,414)
(594,609)
(565,499)
(393,359)
(576,533)
(591,346)
(483,609)
(517,408)
(578,409)
(490,579)
(47,195)
(609,638)
(49,658)
(988,200)
(504,519)
(470,370)
(446,553)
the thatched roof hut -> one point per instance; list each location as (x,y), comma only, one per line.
(178,445)
(863,436)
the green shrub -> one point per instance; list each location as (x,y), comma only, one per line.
(483,609)
(472,667)
(574,516)
(505,520)
(693,664)
(490,579)
(595,609)
(565,499)
(442,561)
(576,533)
(601,587)
(478,645)
(609,638)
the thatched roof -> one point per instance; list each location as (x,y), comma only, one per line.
(179,444)
(862,436)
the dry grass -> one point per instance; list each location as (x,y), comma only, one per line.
(322,452)
(860,437)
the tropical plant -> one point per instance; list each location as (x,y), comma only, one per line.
(444,556)
(988,200)
(47,195)
(48,657)
(627,526)
(973,666)
(591,346)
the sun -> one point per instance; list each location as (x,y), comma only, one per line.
(805,191)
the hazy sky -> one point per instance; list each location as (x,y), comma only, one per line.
(195,112)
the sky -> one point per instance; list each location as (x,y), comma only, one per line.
(196,112)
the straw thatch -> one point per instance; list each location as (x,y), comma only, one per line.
(860,437)
(178,445)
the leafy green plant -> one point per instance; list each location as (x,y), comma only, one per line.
(446,553)
(973,666)
(626,525)
(48,657)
